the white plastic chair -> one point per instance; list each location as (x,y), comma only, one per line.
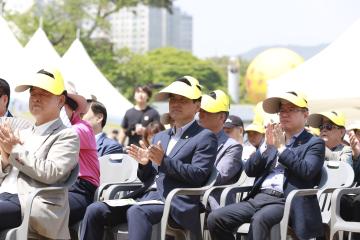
(337,223)
(161,230)
(21,232)
(335,174)
(115,169)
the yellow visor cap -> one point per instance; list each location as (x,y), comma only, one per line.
(186,86)
(216,101)
(336,117)
(50,80)
(272,104)
(255,127)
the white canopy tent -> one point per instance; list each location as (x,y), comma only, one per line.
(40,52)
(77,67)
(12,61)
(331,79)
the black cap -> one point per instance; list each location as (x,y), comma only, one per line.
(233,121)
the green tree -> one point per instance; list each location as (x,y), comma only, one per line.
(164,65)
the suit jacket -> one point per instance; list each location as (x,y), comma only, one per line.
(228,163)
(188,165)
(53,155)
(303,162)
(107,146)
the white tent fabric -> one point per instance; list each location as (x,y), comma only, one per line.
(333,73)
(12,62)
(78,68)
(40,52)
(333,76)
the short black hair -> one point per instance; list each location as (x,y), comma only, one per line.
(99,108)
(71,103)
(145,89)
(5,90)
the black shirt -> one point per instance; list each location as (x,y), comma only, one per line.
(133,117)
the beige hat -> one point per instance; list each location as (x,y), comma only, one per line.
(335,117)
(80,100)
(272,104)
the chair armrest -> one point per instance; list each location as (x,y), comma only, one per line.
(294,193)
(232,190)
(22,230)
(210,190)
(111,191)
(103,187)
(169,198)
(335,200)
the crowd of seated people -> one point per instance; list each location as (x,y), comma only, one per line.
(281,155)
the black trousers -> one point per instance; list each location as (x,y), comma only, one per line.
(350,210)
(262,212)
(140,219)
(81,195)
(10,211)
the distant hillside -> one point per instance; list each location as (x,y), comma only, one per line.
(305,51)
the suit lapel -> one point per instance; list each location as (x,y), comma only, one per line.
(183,139)
(42,138)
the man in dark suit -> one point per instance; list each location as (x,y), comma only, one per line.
(179,157)
(290,158)
(213,113)
(97,116)
(4,98)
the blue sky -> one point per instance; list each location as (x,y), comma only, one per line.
(230,27)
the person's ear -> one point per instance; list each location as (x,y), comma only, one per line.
(100,117)
(62,100)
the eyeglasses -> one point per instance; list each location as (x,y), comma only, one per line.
(328,126)
(290,110)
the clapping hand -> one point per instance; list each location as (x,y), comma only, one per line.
(8,139)
(140,154)
(355,144)
(156,153)
(275,136)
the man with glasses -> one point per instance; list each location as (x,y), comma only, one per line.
(4,98)
(332,131)
(289,159)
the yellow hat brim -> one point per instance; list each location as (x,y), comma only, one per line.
(179,88)
(256,128)
(212,105)
(315,119)
(272,104)
(55,86)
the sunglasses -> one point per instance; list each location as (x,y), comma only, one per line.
(328,126)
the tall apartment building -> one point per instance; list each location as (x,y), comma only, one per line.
(143,28)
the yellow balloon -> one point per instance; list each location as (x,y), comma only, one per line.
(268,65)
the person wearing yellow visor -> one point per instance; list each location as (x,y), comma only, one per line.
(256,133)
(182,156)
(40,156)
(290,158)
(332,131)
(214,111)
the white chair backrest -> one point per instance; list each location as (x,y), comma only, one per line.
(115,168)
(336,174)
